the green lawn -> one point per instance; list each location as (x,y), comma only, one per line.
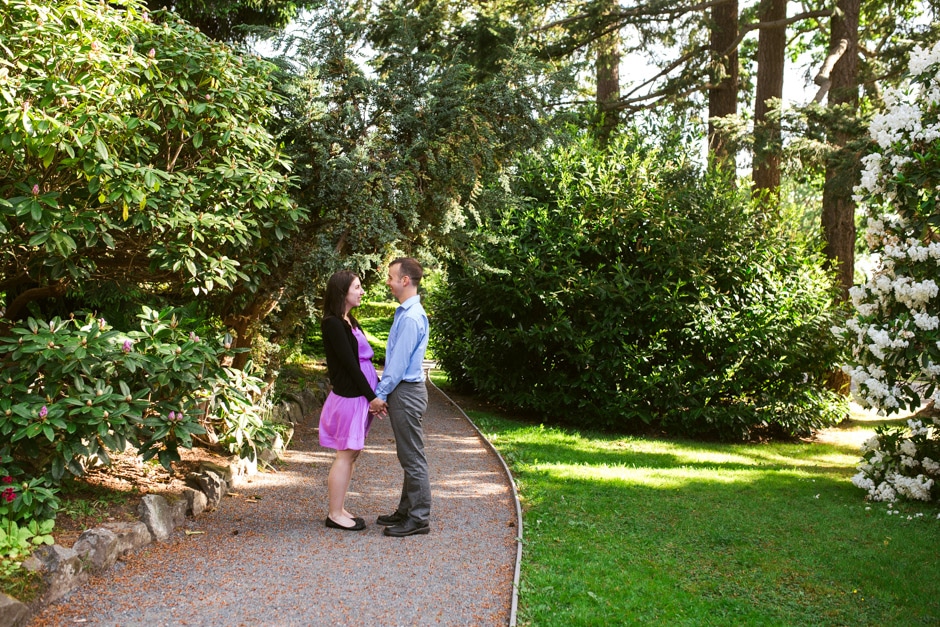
(639,531)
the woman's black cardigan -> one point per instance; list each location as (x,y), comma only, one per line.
(342,359)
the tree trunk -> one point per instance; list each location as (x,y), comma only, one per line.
(608,83)
(244,325)
(771,55)
(842,169)
(723,96)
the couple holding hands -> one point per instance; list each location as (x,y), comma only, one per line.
(358,395)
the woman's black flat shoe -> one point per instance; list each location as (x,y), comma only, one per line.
(359,525)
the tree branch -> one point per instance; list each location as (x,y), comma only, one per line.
(18,306)
(15,281)
(822,78)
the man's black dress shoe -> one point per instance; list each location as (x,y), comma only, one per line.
(359,525)
(391,519)
(408,528)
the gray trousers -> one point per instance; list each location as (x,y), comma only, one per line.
(406,406)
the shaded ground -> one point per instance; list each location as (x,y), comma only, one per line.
(265,557)
(113,493)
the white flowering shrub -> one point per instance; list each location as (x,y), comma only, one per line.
(901,462)
(895,332)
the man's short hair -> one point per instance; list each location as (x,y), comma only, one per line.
(409,266)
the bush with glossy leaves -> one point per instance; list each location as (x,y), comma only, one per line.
(627,288)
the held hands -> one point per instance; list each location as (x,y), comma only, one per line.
(378,407)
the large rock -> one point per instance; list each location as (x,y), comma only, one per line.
(196,501)
(293,411)
(131,536)
(307,400)
(12,612)
(212,485)
(98,548)
(178,508)
(277,448)
(155,512)
(235,471)
(61,571)
(226,471)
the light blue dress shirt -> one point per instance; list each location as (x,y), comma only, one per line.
(404,352)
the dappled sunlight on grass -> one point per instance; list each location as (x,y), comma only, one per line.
(650,477)
(555,448)
(631,530)
(665,478)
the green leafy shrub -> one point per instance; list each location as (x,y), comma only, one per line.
(135,159)
(75,389)
(626,287)
(238,400)
(17,542)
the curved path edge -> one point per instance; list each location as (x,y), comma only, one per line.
(264,556)
(515,498)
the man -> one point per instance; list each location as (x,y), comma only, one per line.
(403,393)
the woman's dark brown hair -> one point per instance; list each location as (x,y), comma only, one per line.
(334,301)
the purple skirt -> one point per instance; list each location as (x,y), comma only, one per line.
(345,422)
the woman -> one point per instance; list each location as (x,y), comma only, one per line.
(345,418)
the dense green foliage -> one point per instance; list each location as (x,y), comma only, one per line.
(392,146)
(232,20)
(137,173)
(75,389)
(135,159)
(627,287)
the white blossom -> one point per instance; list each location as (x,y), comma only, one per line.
(894,330)
(930,466)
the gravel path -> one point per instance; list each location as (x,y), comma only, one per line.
(265,557)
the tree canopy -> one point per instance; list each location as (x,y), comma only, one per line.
(135,157)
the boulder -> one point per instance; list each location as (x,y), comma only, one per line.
(212,485)
(98,548)
(12,612)
(226,471)
(307,400)
(131,536)
(178,508)
(61,571)
(155,512)
(196,501)
(293,411)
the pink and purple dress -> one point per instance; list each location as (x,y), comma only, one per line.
(345,422)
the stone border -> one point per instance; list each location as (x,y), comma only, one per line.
(97,549)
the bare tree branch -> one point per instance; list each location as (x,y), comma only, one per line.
(822,78)
(669,68)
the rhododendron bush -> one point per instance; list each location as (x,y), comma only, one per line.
(894,332)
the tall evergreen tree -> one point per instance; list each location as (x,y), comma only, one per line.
(724,80)
(771,58)
(843,166)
